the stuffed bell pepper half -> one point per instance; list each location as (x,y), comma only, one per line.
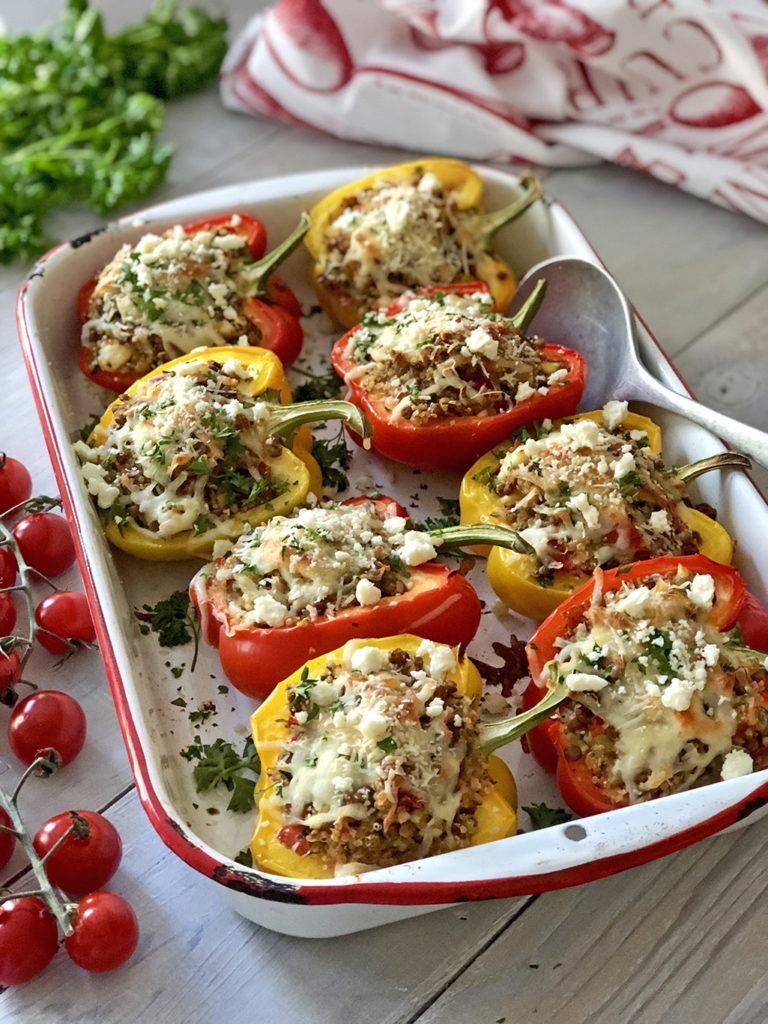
(442,377)
(663,675)
(194,285)
(371,756)
(408,227)
(303,584)
(588,492)
(201,448)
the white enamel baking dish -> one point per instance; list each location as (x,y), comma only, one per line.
(197,827)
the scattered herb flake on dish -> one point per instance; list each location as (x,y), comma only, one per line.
(218,764)
(334,457)
(542,816)
(173,620)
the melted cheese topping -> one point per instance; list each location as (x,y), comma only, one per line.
(316,562)
(445,355)
(186,451)
(166,295)
(378,740)
(675,696)
(586,494)
(398,236)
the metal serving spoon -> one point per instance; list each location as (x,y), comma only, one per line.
(584,309)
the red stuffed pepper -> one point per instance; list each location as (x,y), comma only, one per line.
(663,668)
(443,378)
(306,583)
(203,284)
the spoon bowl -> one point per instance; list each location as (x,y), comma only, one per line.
(585,310)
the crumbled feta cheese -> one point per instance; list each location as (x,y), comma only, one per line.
(736,763)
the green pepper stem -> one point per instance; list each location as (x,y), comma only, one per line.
(497,734)
(523,317)
(719,461)
(259,272)
(285,419)
(490,223)
(480,533)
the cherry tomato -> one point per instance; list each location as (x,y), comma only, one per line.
(105,934)
(9,570)
(7,614)
(28,939)
(15,482)
(83,862)
(7,841)
(10,673)
(43,720)
(45,542)
(66,614)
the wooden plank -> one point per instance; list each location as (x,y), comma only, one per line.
(674,941)
(198,960)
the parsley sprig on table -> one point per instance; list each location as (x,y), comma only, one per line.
(80,112)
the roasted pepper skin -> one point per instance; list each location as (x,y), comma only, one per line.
(295,465)
(496,815)
(441,605)
(511,573)
(276,313)
(733,605)
(453,443)
(455,176)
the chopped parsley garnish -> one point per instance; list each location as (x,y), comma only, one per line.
(173,620)
(542,816)
(333,457)
(318,386)
(388,745)
(450,515)
(218,764)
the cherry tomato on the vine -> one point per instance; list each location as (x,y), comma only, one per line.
(66,614)
(87,858)
(29,937)
(15,482)
(9,570)
(10,673)
(7,841)
(105,934)
(47,719)
(7,614)
(45,542)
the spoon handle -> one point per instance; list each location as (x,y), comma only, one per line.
(750,440)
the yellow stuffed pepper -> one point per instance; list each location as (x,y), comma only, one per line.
(197,450)
(585,493)
(408,227)
(372,756)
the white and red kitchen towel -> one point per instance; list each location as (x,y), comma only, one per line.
(675,88)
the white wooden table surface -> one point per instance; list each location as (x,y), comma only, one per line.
(677,940)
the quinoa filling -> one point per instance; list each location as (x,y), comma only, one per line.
(381,763)
(186,451)
(448,355)
(166,295)
(398,236)
(316,562)
(660,700)
(586,495)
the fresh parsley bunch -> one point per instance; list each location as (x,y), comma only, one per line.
(80,112)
